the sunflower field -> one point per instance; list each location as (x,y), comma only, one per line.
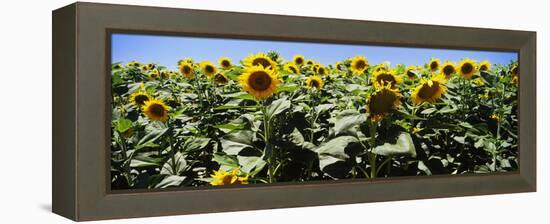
(268,119)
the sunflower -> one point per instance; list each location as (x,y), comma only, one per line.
(260,59)
(154,74)
(187,70)
(208,68)
(484,65)
(434,64)
(321,70)
(358,65)
(467,68)
(292,68)
(384,77)
(309,62)
(220,79)
(222,177)
(448,69)
(133,64)
(259,82)
(314,81)
(429,90)
(479,82)
(410,72)
(155,110)
(298,60)
(117,66)
(164,74)
(225,63)
(382,102)
(139,98)
(185,60)
(339,65)
(515,70)
(380,67)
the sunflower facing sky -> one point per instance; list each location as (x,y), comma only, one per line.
(448,69)
(155,110)
(260,59)
(434,64)
(208,68)
(314,81)
(187,70)
(429,90)
(358,65)
(410,72)
(467,68)
(484,65)
(384,77)
(222,177)
(139,98)
(259,82)
(292,68)
(383,101)
(298,60)
(321,70)
(225,63)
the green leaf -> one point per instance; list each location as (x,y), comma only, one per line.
(170,181)
(235,142)
(195,143)
(296,137)
(333,151)
(123,125)
(251,164)
(346,120)
(403,146)
(429,110)
(154,131)
(276,107)
(174,167)
(287,88)
(225,160)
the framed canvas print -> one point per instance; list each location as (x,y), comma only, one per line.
(201,111)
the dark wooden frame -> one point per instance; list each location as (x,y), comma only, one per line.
(81,128)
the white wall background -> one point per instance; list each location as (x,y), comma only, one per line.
(25,111)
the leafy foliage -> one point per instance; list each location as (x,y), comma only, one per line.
(302,133)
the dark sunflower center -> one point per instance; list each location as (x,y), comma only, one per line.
(221,79)
(309,62)
(315,83)
(360,64)
(411,74)
(321,71)
(433,65)
(382,102)
(186,69)
(483,68)
(467,68)
(259,81)
(140,99)
(209,69)
(515,70)
(427,92)
(385,78)
(157,110)
(299,61)
(293,69)
(448,70)
(226,63)
(261,61)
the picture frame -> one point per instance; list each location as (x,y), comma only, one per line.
(81,111)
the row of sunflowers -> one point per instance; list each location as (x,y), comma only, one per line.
(267,119)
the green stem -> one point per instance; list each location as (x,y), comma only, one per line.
(372,156)
(268,151)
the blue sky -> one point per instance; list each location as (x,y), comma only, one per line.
(167,50)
